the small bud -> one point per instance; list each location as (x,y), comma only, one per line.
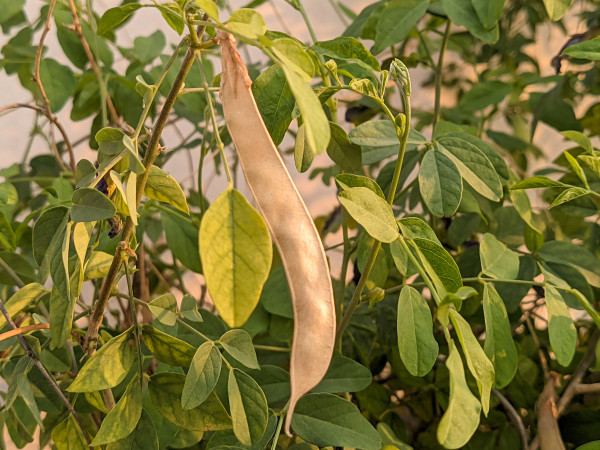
(400,75)
(400,121)
(375,295)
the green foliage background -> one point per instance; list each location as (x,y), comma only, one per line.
(469,311)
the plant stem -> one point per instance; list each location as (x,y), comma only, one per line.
(152,152)
(134,319)
(277,431)
(21,330)
(30,353)
(157,84)
(311,30)
(403,138)
(438,76)
(344,270)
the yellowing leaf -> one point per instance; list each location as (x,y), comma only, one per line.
(236,252)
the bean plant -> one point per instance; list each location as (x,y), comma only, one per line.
(463,311)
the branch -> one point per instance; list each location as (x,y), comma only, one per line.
(21,330)
(547,416)
(37,80)
(77,27)
(515,417)
(52,118)
(153,150)
(42,369)
(575,386)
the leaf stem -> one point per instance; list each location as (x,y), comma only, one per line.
(277,431)
(438,76)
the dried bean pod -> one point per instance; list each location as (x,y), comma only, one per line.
(290,225)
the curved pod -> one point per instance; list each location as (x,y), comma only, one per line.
(290,225)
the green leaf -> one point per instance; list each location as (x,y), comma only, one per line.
(397,19)
(584,50)
(537,182)
(107,367)
(576,136)
(567,195)
(488,11)
(166,390)
(344,375)
(182,238)
(474,166)
(313,116)
(21,299)
(292,55)
(415,227)
(10,9)
(58,82)
(565,252)
(577,169)
(344,153)
(440,184)
(499,344)
(497,261)
(328,420)
(462,12)
(484,94)
(371,212)
(123,418)
(113,17)
(416,343)
(461,419)
(98,265)
(440,266)
(349,180)
(202,377)
(209,7)
(238,344)
(479,364)
(144,436)
(236,252)
(50,224)
(91,205)
(347,49)
(249,410)
(68,436)
(276,297)
(556,9)
(247,22)
(164,308)
(389,438)
(189,309)
(275,101)
(162,187)
(561,329)
(166,348)
(303,155)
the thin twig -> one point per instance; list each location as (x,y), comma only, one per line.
(90,56)
(515,417)
(44,372)
(52,118)
(438,75)
(46,101)
(21,330)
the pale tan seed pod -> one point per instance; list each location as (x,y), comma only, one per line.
(290,225)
